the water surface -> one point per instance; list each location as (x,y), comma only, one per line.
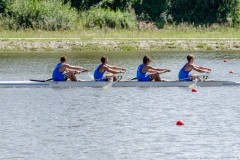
(118,123)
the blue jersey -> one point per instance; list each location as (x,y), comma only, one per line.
(184,75)
(142,76)
(57,75)
(99,75)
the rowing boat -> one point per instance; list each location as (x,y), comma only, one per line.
(118,84)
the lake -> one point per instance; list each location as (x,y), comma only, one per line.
(118,123)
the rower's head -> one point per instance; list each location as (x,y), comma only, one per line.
(104,59)
(190,58)
(147,60)
(63,59)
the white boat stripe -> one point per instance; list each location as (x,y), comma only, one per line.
(118,84)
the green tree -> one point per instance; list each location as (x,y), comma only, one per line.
(202,11)
(2,6)
(82,4)
(148,8)
(235,12)
(151,8)
(122,5)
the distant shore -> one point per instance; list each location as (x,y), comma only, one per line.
(120,45)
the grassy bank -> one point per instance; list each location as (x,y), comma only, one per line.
(172,38)
(167,33)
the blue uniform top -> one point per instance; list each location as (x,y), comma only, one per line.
(184,75)
(57,75)
(142,76)
(97,74)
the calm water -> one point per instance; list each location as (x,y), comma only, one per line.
(118,123)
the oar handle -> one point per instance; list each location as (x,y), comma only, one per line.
(77,72)
(122,72)
(85,70)
(165,71)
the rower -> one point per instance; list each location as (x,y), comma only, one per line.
(146,72)
(188,67)
(102,68)
(64,71)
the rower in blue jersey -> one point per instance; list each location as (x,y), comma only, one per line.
(146,72)
(188,67)
(99,73)
(64,71)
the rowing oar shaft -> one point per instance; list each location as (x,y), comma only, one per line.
(36,80)
(133,79)
(49,79)
(118,80)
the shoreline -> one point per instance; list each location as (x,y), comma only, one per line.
(114,44)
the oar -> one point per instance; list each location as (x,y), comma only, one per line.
(36,80)
(204,78)
(119,78)
(158,73)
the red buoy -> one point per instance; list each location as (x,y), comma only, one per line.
(180,123)
(231,72)
(194,90)
(225,60)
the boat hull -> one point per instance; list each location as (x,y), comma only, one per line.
(117,84)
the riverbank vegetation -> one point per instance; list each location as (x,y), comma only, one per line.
(80,15)
(119,25)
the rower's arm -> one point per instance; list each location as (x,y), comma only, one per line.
(204,68)
(199,69)
(152,71)
(115,67)
(150,68)
(109,69)
(69,67)
(159,72)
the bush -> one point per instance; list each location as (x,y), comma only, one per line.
(146,10)
(42,14)
(101,18)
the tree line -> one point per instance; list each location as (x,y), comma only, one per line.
(189,11)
